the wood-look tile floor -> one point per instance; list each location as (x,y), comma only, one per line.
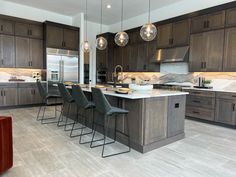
(47,151)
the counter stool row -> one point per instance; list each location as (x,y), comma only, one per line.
(100,104)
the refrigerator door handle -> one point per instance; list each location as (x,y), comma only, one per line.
(62,70)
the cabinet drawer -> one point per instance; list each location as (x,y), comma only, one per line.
(8,85)
(27,85)
(226,95)
(201,113)
(200,101)
(210,94)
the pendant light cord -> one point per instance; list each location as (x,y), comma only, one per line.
(86,21)
(122,13)
(101,19)
(149,11)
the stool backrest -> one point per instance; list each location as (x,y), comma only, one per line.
(42,91)
(79,96)
(65,94)
(101,103)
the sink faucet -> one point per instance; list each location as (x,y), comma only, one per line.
(116,74)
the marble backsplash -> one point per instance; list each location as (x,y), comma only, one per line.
(20,74)
(219,80)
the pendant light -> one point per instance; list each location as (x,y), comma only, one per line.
(148,31)
(122,38)
(85,45)
(101,42)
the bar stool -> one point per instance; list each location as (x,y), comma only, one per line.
(45,97)
(84,105)
(108,111)
(67,99)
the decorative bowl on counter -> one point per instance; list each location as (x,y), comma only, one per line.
(122,90)
(141,88)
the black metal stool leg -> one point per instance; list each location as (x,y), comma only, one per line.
(39,112)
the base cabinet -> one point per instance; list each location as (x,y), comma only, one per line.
(8,96)
(225,111)
(28,96)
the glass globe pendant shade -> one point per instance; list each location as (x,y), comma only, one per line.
(121,39)
(101,43)
(85,47)
(148,32)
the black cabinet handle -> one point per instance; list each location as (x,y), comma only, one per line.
(208,24)
(1,93)
(204,24)
(2,62)
(205,65)
(195,112)
(144,67)
(171,41)
(4,93)
(201,65)
(1,27)
(233,107)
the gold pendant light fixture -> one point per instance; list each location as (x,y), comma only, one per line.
(85,45)
(148,31)
(122,38)
(101,42)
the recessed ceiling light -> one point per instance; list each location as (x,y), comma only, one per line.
(108,6)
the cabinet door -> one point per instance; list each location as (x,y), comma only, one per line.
(214,50)
(101,58)
(230,17)
(71,39)
(25,96)
(10,96)
(118,56)
(229,62)
(152,48)
(6,27)
(198,24)
(36,98)
(133,57)
(125,53)
(225,111)
(142,57)
(36,53)
(197,53)
(22,52)
(164,36)
(36,31)
(7,51)
(216,20)
(54,36)
(181,33)
(22,29)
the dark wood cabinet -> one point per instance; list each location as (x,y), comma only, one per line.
(28,94)
(142,60)
(173,34)
(36,53)
(229,61)
(133,56)
(206,51)
(208,22)
(231,17)
(62,37)
(8,96)
(181,33)
(22,52)
(6,27)
(7,51)
(226,111)
(164,36)
(29,53)
(29,30)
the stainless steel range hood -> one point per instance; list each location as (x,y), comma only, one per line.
(177,54)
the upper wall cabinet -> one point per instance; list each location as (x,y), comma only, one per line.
(206,51)
(230,17)
(208,22)
(229,63)
(6,27)
(29,30)
(174,34)
(7,51)
(62,37)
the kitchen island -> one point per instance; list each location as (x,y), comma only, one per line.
(156,117)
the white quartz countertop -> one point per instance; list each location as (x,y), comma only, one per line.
(228,90)
(139,95)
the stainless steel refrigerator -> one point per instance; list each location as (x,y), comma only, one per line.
(62,66)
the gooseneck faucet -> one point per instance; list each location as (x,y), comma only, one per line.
(116,74)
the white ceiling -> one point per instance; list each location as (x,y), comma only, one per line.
(132,8)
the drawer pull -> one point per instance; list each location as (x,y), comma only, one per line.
(176,105)
(233,107)
(234,96)
(195,112)
(196,101)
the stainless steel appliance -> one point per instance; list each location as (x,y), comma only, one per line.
(62,66)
